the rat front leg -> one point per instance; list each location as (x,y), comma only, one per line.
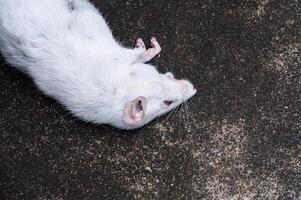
(145,55)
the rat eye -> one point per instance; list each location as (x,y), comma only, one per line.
(168,103)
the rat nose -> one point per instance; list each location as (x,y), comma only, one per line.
(193,88)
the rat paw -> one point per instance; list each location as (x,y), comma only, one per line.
(156,48)
(140,44)
(151,52)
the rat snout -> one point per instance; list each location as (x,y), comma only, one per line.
(186,88)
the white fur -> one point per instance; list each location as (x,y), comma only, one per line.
(72,56)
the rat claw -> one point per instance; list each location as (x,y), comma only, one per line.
(153,41)
(155,45)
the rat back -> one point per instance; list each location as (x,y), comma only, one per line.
(44,33)
(64,45)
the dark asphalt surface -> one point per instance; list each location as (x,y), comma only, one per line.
(239,138)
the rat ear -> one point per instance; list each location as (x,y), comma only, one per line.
(135,111)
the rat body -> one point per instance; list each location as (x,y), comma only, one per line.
(68,49)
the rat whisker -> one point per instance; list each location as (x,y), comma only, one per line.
(173,110)
(187,108)
(190,101)
(170,113)
(184,106)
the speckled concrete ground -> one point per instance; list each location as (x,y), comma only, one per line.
(240,138)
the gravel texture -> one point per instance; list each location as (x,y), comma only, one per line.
(239,138)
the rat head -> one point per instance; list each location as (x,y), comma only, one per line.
(150,94)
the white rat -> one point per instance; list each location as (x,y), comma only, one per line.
(68,49)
